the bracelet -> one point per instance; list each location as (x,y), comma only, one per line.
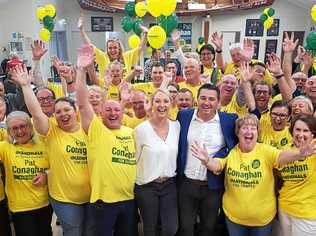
(71,82)
(218,51)
(279,76)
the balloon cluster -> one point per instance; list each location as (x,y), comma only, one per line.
(311,41)
(201,41)
(46,15)
(313,13)
(266,18)
(156,34)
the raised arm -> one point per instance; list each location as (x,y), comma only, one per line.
(143,42)
(245,78)
(84,37)
(175,35)
(217,40)
(84,60)
(40,120)
(38,51)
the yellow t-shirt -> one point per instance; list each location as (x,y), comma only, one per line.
(249,197)
(132,122)
(265,121)
(278,139)
(209,71)
(112,163)
(22,163)
(173,112)
(57,88)
(298,193)
(193,89)
(148,88)
(130,57)
(233,107)
(68,177)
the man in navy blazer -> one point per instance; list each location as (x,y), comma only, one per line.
(200,191)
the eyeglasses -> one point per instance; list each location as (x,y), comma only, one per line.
(280,115)
(46,99)
(15,129)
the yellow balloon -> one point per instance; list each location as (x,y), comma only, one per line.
(149,51)
(41,13)
(313,13)
(133,41)
(169,6)
(154,7)
(156,37)
(140,9)
(268,23)
(50,10)
(265,11)
(44,35)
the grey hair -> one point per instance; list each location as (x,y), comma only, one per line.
(307,100)
(234,46)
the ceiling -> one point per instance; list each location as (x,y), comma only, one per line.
(184,7)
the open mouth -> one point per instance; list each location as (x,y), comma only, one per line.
(162,109)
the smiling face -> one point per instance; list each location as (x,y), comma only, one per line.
(262,96)
(258,72)
(300,80)
(157,75)
(114,50)
(172,67)
(301,133)
(279,117)
(248,135)
(235,55)
(161,103)
(138,103)
(300,106)
(192,71)
(116,73)
(310,88)
(228,85)
(95,98)
(112,114)
(46,100)
(20,130)
(207,103)
(184,100)
(207,57)
(65,115)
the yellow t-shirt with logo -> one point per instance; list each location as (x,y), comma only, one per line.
(249,197)
(209,71)
(130,58)
(279,139)
(148,88)
(233,107)
(112,92)
(298,193)
(57,88)
(112,163)
(193,89)
(22,163)
(68,177)
(132,122)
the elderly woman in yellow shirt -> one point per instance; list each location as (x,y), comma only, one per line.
(297,197)
(249,201)
(25,163)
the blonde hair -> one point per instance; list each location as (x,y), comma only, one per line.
(121,48)
(97,89)
(159,91)
(250,119)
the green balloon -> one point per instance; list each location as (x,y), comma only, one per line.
(271,12)
(48,22)
(127,24)
(311,40)
(130,9)
(168,23)
(201,40)
(263,17)
(136,27)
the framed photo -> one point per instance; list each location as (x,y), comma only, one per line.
(257,45)
(101,24)
(254,28)
(271,46)
(274,30)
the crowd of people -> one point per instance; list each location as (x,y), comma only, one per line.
(200,147)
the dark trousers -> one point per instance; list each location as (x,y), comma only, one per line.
(5,229)
(157,203)
(33,223)
(118,218)
(197,199)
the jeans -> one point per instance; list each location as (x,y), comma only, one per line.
(158,200)
(5,229)
(75,219)
(118,218)
(195,198)
(243,230)
(34,222)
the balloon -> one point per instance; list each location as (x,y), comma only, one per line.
(133,41)
(263,18)
(313,13)
(149,51)
(50,10)
(41,13)
(268,23)
(130,9)
(156,37)
(44,35)
(201,40)
(265,11)
(311,40)
(314,64)
(155,7)
(127,24)
(271,12)
(168,23)
(49,23)
(136,27)
(169,6)
(140,9)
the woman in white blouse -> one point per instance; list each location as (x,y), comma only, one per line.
(156,153)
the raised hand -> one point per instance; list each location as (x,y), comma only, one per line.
(199,152)
(274,64)
(175,35)
(289,44)
(300,51)
(244,72)
(217,40)
(308,60)
(21,76)
(80,22)
(308,149)
(205,78)
(248,49)
(137,71)
(85,56)
(38,49)
(66,72)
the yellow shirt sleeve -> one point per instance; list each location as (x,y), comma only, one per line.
(131,58)
(102,59)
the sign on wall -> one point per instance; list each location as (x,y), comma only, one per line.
(271,47)
(101,24)
(254,28)
(274,30)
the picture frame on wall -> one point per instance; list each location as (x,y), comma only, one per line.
(256,45)
(101,24)
(274,30)
(254,28)
(271,47)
